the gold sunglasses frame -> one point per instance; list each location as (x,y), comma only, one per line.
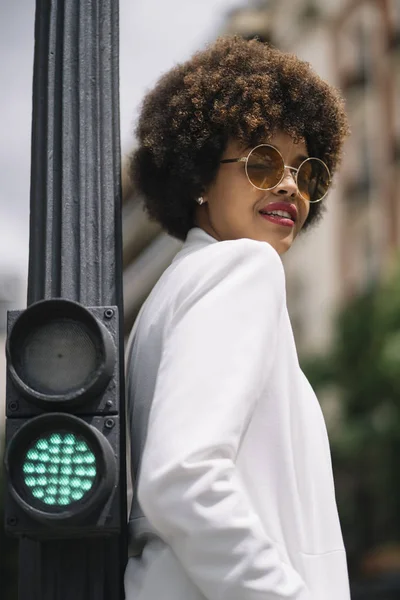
(245,160)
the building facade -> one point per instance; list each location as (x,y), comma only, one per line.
(352,44)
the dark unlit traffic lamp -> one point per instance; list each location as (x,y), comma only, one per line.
(62,446)
(59,353)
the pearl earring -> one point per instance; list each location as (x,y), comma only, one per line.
(200,200)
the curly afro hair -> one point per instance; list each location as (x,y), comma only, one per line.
(234,89)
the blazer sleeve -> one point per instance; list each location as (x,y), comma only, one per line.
(218,353)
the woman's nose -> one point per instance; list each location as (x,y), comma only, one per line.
(287,186)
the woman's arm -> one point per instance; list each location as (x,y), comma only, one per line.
(218,353)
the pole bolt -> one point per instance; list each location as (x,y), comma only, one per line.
(13,405)
(12,521)
(108,313)
(109,423)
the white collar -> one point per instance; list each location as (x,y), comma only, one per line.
(196,239)
(197,236)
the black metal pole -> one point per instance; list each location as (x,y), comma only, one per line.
(75,248)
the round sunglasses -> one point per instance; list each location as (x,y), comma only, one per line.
(265,169)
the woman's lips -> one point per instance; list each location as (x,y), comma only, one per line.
(290,208)
(278,220)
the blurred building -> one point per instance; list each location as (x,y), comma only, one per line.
(147,251)
(353,44)
(366,46)
(13,279)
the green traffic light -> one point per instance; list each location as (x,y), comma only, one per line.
(59,469)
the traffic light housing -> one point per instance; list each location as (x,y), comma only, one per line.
(62,430)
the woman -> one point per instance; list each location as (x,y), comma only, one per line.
(234,495)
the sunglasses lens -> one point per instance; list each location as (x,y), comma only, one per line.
(313,179)
(264,167)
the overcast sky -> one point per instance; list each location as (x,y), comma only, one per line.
(154,35)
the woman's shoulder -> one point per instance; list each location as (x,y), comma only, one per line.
(233,262)
(231,255)
(242,273)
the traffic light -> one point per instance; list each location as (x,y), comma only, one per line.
(62,430)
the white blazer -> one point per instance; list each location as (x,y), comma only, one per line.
(234,495)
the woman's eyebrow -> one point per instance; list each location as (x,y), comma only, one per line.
(301,157)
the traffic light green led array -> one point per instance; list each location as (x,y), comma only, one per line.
(59,469)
